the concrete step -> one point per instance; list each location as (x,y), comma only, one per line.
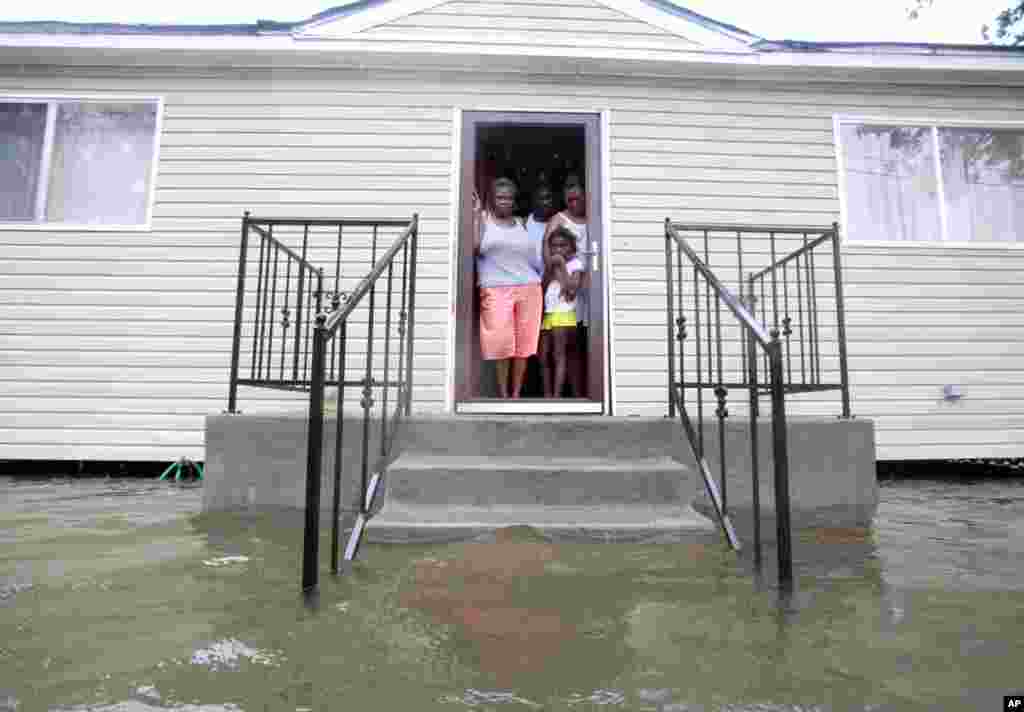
(519,480)
(400,522)
(489,436)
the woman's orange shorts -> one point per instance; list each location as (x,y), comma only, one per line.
(510,321)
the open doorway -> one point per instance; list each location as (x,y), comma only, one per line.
(530,148)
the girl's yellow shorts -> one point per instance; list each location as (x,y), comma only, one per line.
(557,319)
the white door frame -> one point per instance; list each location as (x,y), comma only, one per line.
(606,263)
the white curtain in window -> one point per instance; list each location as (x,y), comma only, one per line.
(983,178)
(22,132)
(891,186)
(102,155)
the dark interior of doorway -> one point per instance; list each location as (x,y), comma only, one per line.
(529,155)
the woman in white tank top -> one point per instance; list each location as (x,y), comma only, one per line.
(574,219)
(511,303)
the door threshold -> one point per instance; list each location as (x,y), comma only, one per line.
(530,406)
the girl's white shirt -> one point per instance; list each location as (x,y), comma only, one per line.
(580,231)
(553,301)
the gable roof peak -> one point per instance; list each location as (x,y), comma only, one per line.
(354,17)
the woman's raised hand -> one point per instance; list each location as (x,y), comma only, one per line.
(478,222)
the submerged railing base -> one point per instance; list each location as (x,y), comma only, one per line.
(359,529)
(711,488)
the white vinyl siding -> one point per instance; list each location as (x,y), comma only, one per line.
(580,24)
(117,344)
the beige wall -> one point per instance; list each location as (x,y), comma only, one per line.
(117,344)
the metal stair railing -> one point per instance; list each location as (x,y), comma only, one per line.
(283,339)
(731,355)
(330,349)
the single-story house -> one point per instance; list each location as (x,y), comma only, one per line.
(128,154)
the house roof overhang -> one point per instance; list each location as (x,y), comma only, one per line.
(286,52)
(331,39)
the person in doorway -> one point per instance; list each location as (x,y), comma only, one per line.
(536,225)
(561,283)
(511,301)
(574,219)
(537,222)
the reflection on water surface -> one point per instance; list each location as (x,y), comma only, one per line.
(116,595)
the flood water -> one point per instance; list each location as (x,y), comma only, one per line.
(118,595)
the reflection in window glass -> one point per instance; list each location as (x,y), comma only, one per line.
(983,178)
(891,188)
(102,155)
(22,133)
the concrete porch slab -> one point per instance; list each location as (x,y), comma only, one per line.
(483,472)
(832,477)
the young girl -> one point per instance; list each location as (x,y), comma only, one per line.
(563,278)
(574,219)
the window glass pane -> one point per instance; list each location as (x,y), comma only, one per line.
(22,131)
(891,186)
(101,163)
(983,177)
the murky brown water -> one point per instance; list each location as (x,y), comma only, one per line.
(115,595)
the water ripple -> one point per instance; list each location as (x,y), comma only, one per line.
(229,652)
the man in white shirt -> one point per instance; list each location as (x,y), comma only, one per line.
(536,224)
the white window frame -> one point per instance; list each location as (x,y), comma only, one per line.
(51,117)
(935,123)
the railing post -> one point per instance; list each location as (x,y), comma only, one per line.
(414,238)
(270,244)
(754,405)
(841,320)
(273,316)
(367,400)
(314,450)
(670,316)
(319,289)
(387,366)
(721,412)
(299,306)
(812,290)
(338,441)
(236,342)
(781,461)
(400,394)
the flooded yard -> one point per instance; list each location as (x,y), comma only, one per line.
(116,594)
